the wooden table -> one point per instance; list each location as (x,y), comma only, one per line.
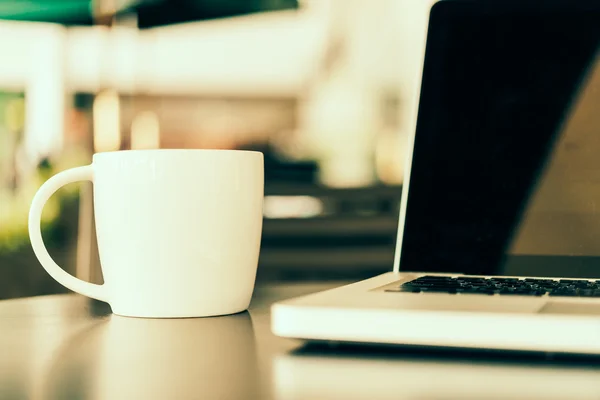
(68,347)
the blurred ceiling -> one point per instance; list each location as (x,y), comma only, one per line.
(150,13)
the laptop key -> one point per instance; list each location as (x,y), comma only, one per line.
(428,284)
(587,292)
(549,285)
(572,281)
(472,280)
(431,277)
(403,290)
(538,280)
(505,279)
(439,290)
(432,281)
(576,293)
(522,292)
(563,293)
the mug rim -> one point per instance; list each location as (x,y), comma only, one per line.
(138,151)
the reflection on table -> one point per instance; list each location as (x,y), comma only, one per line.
(321,372)
(131,358)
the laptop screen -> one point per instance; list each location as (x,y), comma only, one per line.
(505,178)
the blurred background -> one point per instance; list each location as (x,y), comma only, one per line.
(322,87)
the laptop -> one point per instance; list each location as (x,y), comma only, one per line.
(498,244)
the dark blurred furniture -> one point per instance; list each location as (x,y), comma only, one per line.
(21,274)
(353,238)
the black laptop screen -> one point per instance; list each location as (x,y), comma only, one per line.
(505,176)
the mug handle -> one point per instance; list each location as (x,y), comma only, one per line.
(85,173)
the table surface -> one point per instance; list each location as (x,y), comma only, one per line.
(69,347)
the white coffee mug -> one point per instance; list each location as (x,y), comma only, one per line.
(178,230)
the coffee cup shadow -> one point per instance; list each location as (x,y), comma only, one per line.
(136,358)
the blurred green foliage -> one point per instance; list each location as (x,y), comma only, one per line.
(17,188)
(150,12)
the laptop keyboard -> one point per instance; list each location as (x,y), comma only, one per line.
(501,286)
